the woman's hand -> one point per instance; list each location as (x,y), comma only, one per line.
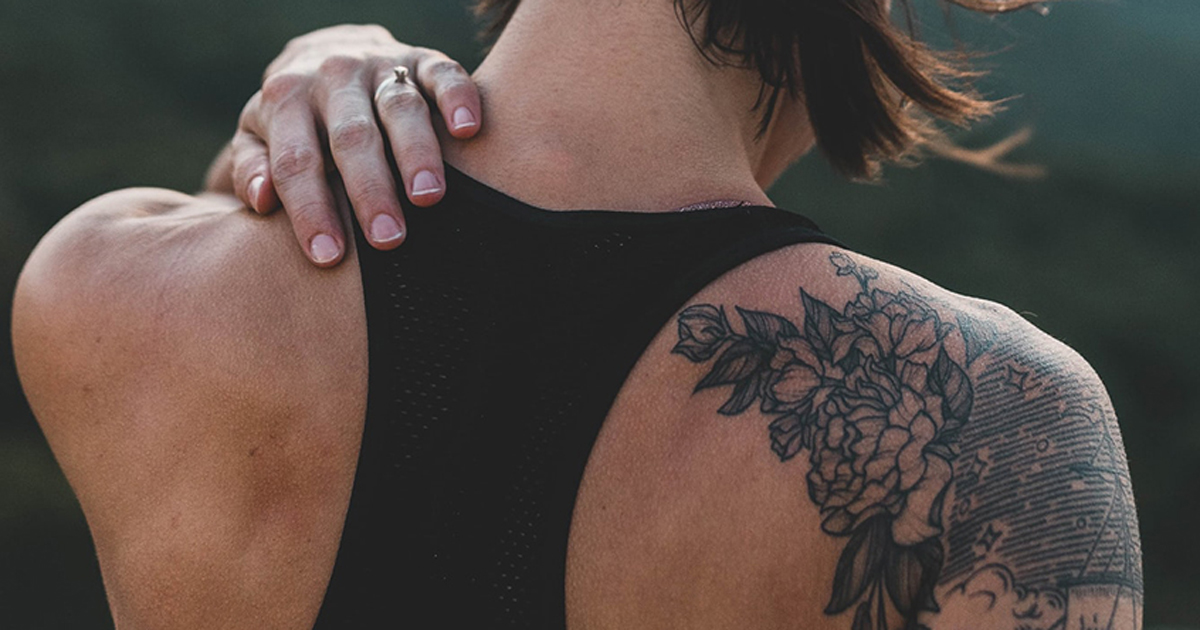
(339,86)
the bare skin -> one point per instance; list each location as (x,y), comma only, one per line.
(339,84)
(203,385)
(599,139)
(213,466)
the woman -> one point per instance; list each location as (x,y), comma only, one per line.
(609,414)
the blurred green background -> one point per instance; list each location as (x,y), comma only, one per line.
(103,94)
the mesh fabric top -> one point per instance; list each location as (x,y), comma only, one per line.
(499,336)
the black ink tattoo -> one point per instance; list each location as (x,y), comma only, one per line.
(1047,531)
(890,422)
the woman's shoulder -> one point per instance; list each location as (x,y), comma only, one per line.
(842,409)
(842,309)
(203,388)
(144,295)
(169,273)
(800,278)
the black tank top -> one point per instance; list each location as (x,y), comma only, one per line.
(499,336)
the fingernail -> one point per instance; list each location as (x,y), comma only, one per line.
(324,248)
(385,229)
(426,183)
(255,187)
(463,118)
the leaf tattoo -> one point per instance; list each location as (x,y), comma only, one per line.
(878,404)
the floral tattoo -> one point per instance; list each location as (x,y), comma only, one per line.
(1042,534)
(873,398)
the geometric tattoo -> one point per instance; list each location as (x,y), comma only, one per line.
(1042,533)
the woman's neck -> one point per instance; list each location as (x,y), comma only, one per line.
(609,106)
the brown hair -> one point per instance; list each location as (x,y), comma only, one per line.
(858,74)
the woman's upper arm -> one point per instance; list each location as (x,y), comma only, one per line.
(1041,523)
(198,403)
(850,447)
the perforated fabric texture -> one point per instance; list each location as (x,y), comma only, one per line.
(499,336)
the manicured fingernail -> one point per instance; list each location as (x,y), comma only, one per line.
(385,229)
(324,248)
(255,187)
(426,183)
(463,118)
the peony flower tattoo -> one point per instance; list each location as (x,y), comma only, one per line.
(873,398)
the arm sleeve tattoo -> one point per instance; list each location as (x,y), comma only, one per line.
(989,488)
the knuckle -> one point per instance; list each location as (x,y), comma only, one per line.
(337,65)
(412,153)
(376,30)
(289,47)
(445,69)
(281,86)
(353,133)
(401,100)
(295,161)
(300,40)
(305,212)
(455,91)
(244,141)
(250,109)
(310,216)
(371,192)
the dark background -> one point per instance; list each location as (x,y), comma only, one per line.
(103,94)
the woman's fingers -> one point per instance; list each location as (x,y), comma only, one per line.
(251,164)
(356,144)
(405,116)
(297,168)
(315,114)
(252,173)
(452,88)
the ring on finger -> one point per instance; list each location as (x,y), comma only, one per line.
(400,75)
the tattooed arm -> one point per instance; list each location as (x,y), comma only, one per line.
(861,450)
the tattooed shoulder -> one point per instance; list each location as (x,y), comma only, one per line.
(969,467)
